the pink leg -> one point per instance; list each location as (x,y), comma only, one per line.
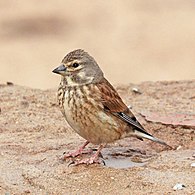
(92,159)
(78,152)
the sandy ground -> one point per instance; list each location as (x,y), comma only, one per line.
(34,136)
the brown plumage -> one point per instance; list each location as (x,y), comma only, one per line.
(91,105)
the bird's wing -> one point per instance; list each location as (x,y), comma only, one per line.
(110,98)
(114,104)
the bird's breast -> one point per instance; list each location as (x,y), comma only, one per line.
(85,113)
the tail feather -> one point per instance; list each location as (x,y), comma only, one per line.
(150,137)
(138,130)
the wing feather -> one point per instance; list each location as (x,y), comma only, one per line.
(114,104)
(110,98)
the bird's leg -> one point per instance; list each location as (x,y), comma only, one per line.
(92,159)
(79,151)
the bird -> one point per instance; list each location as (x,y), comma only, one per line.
(92,106)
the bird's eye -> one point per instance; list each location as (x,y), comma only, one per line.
(75,65)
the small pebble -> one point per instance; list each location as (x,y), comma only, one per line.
(193,164)
(9,83)
(179,147)
(129,106)
(178,186)
(136,90)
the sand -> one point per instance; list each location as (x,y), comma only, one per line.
(34,136)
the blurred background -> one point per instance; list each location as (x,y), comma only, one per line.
(133,41)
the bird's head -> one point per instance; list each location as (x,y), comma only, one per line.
(79,68)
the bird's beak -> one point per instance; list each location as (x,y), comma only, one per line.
(60,69)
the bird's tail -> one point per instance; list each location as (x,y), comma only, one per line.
(146,135)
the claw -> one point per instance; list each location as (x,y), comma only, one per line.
(71,163)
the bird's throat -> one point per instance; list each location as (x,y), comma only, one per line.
(77,79)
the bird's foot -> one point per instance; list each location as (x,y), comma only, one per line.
(77,153)
(93,159)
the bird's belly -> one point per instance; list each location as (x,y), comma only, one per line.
(91,122)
